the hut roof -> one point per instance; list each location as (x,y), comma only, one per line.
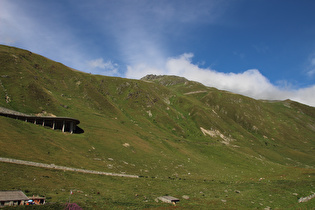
(13,195)
(168,199)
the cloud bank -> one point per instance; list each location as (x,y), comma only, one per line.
(45,30)
(249,83)
(311,66)
(142,32)
(104,68)
(138,37)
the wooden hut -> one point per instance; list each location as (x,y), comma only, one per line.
(12,198)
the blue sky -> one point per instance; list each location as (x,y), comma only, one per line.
(262,49)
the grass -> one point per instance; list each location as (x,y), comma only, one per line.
(152,129)
(95,191)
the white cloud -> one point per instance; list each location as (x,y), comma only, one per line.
(311,72)
(311,67)
(108,68)
(136,33)
(24,25)
(141,30)
(304,95)
(139,33)
(11,25)
(139,70)
(250,83)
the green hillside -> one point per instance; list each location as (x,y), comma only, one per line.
(221,149)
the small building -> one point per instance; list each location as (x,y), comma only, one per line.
(12,198)
(168,199)
(38,200)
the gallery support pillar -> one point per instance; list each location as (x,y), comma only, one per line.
(71,127)
(63,126)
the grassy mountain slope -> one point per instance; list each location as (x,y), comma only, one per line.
(183,137)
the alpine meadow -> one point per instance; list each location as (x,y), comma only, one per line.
(211,149)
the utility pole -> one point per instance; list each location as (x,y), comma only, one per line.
(70,196)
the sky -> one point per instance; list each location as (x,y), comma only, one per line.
(259,48)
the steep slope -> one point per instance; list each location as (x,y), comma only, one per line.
(276,130)
(161,126)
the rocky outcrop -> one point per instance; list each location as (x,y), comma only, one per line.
(307,198)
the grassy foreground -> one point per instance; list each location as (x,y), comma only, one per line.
(102,192)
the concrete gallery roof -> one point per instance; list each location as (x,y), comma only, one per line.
(11,113)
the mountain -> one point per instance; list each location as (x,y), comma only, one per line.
(181,137)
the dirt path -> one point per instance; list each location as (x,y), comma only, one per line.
(194,92)
(53,166)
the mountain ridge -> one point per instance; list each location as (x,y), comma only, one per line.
(174,109)
(165,127)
